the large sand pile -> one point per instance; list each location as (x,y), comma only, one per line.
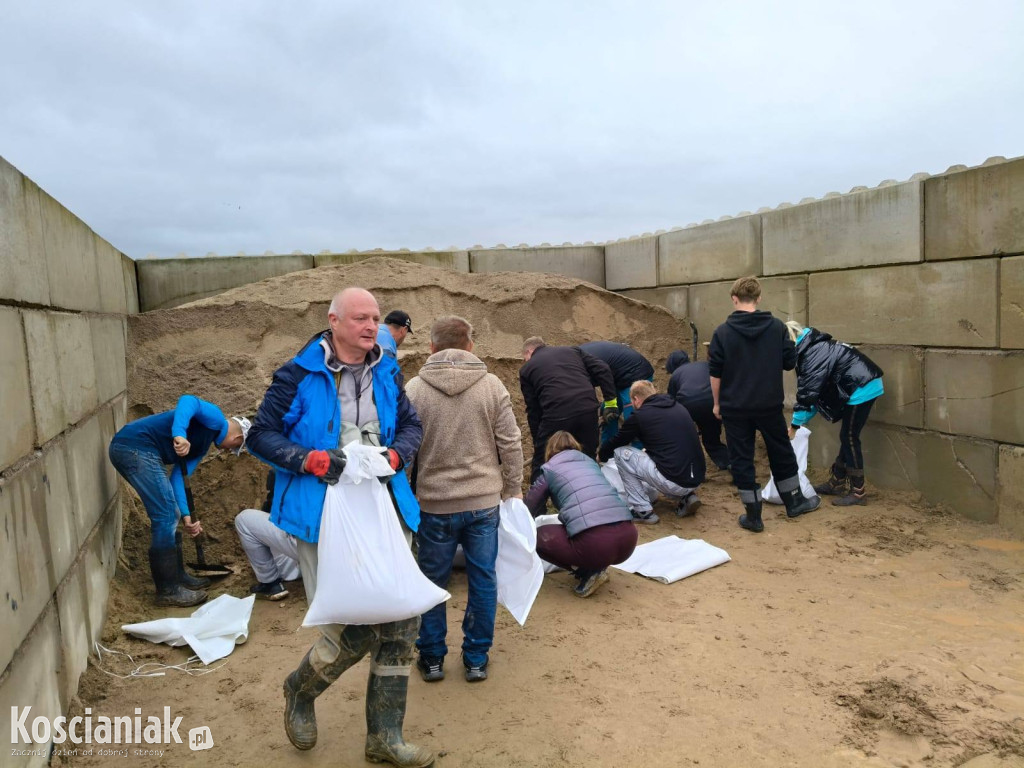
(226,348)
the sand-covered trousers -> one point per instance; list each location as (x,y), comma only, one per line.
(639,472)
(342,645)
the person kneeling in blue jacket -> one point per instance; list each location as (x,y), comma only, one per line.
(841,384)
(141,451)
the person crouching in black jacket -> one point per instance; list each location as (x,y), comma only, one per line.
(841,384)
(748,354)
(690,385)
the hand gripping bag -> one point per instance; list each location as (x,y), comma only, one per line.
(519,570)
(366,573)
(801,443)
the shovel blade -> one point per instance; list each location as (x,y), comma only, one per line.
(210,570)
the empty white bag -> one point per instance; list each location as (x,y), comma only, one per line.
(212,630)
(366,573)
(800,444)
(670,559)
(519,570)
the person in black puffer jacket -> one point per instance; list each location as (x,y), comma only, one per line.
(841,384)
(597,527)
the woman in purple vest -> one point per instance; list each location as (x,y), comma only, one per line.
(596,528)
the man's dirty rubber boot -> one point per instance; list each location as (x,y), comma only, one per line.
(163,564)
(857,495)
(431,668)
(590,582)
(837,483)
(184,577)
(752,503)
(385,715)
(688,505)
(796,503)
(301,688)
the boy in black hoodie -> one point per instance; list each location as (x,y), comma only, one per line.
(748,354)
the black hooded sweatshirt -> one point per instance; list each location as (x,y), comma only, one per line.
(749,352)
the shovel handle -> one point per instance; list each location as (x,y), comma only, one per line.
(183,468)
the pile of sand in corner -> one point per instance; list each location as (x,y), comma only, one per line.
(226,348)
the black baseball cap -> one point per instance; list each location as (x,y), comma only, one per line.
(399,318)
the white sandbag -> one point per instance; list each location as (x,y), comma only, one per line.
(800,445)
(519,570)
(610,470)
(366,573)
(670,559)
(212,630)
(548,520)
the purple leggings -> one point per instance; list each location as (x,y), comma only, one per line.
(591,550)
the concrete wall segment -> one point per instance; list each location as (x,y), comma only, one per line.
(108,346)
(110,276)
(632,264)
(91,477)
(21,239)
(674,299)
(1011,488)
(131,285)
(44,374)
(1011,302)
(717,251)
(71,259)
(903,401)
(18,434)
(978,212)
(77,362)
(980,394)
(877,226)
(939,304)
(584,262)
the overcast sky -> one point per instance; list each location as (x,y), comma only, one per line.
(252,126)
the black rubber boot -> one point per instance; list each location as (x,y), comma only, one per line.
(752,503)
(796,503)
(385,715)
(301,688)
(856,495)
(163,563)
(837,483)
(184,577)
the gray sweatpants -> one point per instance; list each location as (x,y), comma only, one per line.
(639,475)
(271,552)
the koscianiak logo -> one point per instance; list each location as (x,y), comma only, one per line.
(31,735)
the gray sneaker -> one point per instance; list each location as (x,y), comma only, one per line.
(431,669)
(645,518)
(688,505)
(476,674)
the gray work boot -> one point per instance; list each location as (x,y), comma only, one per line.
(186,578)
(856,495)
(385,715)
(752,503)
(301,688)
(163,563)
(837,483)
(796,503)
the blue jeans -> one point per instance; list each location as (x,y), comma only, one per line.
(146,473)
(608,431)
(439,535)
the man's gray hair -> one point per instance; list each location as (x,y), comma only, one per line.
(451,332)
(533,343)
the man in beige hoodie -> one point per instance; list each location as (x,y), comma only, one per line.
(471,458)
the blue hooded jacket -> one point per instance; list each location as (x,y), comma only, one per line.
(301,413)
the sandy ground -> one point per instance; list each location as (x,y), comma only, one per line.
(888,635)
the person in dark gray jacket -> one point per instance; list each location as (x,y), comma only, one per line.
(597,527)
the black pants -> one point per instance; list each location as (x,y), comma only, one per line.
(583,427)
(854,418)
(703,414)
(741,428)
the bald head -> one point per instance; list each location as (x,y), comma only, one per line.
(354,317)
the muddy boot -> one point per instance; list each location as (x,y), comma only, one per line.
(301,688)
(752,503)
(837,483)
(184,577)
(590,582)
(385,714)
(856,496)
(796,503)
(163,563)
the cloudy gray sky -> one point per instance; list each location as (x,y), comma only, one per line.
(252,126)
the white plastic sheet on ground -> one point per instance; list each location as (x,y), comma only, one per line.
(548,520)
(366,573)
(520,572)
(212,630)
(800,445)
(670,559)
(610,470)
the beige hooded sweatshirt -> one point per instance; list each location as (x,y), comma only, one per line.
(471,456)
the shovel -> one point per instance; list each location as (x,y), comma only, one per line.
(200,567)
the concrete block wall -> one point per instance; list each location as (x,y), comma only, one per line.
(64,297)
(926,276)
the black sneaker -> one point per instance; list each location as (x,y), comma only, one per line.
(431,669)
(476,674)
(645,518)
(273,590)
(589,584)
